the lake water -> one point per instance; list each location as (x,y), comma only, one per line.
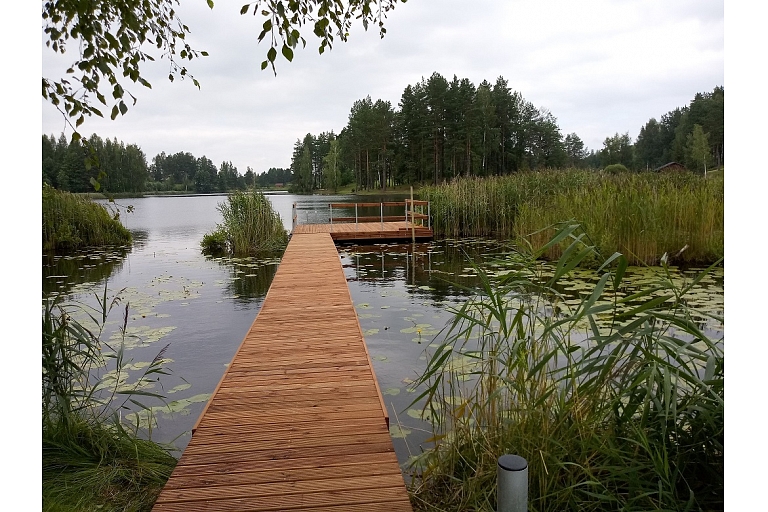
(201,308)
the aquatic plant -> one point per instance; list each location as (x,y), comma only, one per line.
(91,460)
(71,222)
(641,215)
(614,408)
(250,225)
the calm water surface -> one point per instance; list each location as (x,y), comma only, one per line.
(201,308)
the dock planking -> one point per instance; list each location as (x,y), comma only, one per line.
(297,422)
(394,230)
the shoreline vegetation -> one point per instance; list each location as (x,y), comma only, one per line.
(71,222)
(641,215)
(92,459)
(613,409)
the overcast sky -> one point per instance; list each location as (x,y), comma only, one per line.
(601,67)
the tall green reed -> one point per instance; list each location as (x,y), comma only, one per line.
(642,215)
(250,225)
(71,222)
(616,402)
(91,459)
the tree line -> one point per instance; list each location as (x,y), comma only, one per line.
(123,168)
(438,131)
(443,129)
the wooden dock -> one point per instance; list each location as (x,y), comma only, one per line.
(297,422)
(354,226)
(367,230)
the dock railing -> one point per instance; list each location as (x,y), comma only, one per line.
(413,211)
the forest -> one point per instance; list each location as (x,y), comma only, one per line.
(443,129)
(439,130)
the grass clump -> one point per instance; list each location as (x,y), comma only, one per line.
(71,222)
(615,169)
(250,225)
(91,460)
(641,215)
(612,410)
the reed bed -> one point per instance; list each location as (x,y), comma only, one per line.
(250,226)
(642,215)
(71,222)
(612,410)
(91,460)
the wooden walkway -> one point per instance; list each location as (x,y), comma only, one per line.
(297,421)
(366,230)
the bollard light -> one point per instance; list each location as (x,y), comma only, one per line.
(512,484)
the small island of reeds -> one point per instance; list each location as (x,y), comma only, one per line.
(250,225)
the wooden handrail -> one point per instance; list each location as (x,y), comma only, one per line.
(368,205)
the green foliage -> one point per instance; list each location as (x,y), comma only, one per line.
(331,167)
(250,226)
(71,222)
(615,169)
(214,243)
(90,459)
(642,215)
(698,147)
(618,150)
(109,40)
(328,20)
(612,411)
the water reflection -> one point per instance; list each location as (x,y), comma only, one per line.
(249,278)
(61,273)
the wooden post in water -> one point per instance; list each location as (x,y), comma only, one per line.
(413,227)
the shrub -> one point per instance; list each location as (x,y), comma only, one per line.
(615,169)
(214,243)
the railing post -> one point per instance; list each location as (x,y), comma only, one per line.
(429,216)
(355,216)
(294,217)
(413,220)
(381,208)
(330,205)
(512,484)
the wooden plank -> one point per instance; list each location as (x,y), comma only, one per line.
(298,421)
(375,230)
(372,499)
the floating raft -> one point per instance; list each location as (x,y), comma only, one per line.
(297,422)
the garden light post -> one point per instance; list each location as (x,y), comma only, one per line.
(512,484)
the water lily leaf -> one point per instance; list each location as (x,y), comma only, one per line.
(398,432)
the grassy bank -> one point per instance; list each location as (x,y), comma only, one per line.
(250,225)
(91,459)
(642,215)
(71,222)
(613,409)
